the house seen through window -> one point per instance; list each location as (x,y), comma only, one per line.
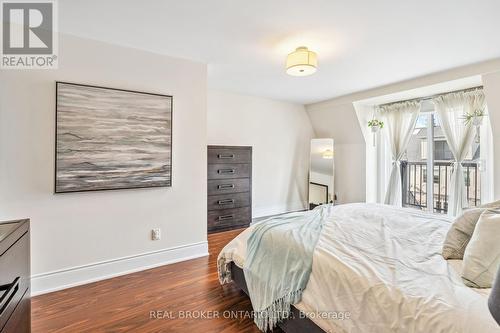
(421,156)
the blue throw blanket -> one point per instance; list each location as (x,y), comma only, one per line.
(279,262)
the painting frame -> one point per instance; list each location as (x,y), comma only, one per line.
(55,188)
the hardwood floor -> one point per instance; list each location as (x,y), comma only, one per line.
(129,303)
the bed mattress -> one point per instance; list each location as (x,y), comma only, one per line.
(378,268)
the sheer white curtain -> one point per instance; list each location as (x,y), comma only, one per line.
(399,120)
(451,109)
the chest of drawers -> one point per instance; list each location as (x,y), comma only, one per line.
(15,277)
(229,187)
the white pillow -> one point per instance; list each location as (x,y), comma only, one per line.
(494,204)
(460,233)
(482,255)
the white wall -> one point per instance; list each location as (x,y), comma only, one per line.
(491,83)
(280,135)
(349,172)
(82,229)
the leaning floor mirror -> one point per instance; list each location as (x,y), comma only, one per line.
(321,173)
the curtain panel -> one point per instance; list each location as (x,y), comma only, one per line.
(451,109)
(400,119)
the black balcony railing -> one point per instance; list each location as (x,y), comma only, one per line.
(414,179)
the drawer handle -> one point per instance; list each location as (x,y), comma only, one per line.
(225,156)
(226,217)
(226,171)
(226,202)
(8,295)
(225,186)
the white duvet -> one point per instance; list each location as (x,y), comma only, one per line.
(379,269)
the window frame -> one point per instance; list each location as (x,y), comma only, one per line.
(431,121)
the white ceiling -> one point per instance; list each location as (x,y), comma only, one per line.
(360,44)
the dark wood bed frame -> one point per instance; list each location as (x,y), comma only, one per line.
(295,324)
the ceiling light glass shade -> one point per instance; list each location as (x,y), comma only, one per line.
(301,62)
(328,154)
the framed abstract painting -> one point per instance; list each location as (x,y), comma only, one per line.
(109,139)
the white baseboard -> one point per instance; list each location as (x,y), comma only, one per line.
(75,276)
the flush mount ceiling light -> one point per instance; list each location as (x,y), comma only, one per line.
(301,62)
(328,154)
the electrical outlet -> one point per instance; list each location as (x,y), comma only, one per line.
(156,234)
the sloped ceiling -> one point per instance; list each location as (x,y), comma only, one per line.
(339,123)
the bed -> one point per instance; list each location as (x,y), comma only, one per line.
(377,268)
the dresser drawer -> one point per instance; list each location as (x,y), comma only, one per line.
(228,218)
(14,276)
(229,155)
(228,171)
(225,201)
(229,187)
(221,186)
(20,320)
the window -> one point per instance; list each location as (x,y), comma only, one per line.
(423,149)
(430,191)
(441,150)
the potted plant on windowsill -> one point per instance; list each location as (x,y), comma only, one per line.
(475,119)
(375,125)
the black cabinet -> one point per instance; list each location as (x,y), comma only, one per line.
(15,308)
(229,187)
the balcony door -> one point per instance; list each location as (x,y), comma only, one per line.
(428,150)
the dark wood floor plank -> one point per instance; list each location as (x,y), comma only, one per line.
(123,304)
